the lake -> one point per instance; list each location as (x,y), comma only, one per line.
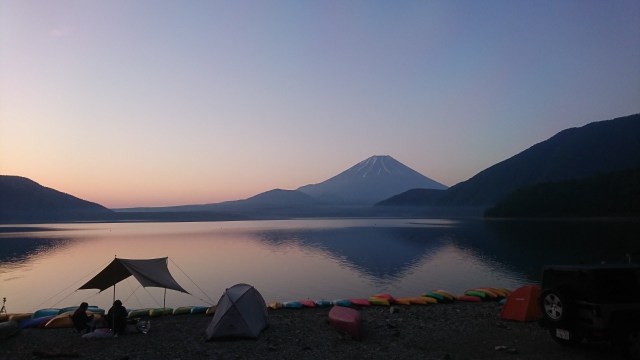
(42,265)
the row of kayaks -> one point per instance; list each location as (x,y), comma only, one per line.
(61,317)
(430,297)
(54,318)
(62,320)
(485,294)
(183,310)
(48,318)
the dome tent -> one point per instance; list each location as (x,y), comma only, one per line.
(241,312)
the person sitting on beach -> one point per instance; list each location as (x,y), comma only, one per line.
(81,321)
(117,318)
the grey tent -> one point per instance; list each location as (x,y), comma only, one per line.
(149,272)
(241,312)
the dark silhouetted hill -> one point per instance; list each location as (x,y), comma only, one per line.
(269,204)
(414,197)
(614,194)
(23,200)
(575,153)
(370,181)
(279,197)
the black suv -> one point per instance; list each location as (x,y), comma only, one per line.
(599,302)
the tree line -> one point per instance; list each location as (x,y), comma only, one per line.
(615,194)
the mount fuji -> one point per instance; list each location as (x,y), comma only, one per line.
(350,193)
(370,181)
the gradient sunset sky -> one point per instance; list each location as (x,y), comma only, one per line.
(152,103)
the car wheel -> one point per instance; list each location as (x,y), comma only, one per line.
(554,305)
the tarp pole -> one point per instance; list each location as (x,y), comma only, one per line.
(114,284)
(113,313)
(164,301)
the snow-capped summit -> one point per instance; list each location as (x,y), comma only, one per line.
(368,166)
(371,180)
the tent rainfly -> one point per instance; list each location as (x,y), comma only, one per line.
(241,312)
(522,304)
(149,272)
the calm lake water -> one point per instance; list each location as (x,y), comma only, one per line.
(42,265)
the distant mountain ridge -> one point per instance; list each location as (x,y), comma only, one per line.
(276,198)
(572,154)
(576,153)
(370,181)
(24,200)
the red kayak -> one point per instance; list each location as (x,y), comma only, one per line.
(469,298)
(360,302)
(345,320)
(308,303)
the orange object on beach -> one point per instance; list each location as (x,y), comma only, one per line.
(500,292)
(387,297)
(403,301)
(522,304)
(422,300)
(374,300)
(275,305)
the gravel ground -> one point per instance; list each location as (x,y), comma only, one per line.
(442,331)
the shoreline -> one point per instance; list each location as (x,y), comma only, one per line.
(440,331)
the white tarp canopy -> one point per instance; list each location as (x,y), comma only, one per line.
(149,272)
(241,312)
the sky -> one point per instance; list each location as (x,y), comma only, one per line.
(155,103)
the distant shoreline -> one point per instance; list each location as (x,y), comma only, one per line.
(24,226)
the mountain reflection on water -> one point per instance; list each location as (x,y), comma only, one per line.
(522,247)
(381,252)
(18,251)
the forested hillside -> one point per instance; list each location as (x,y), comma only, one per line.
(613,194)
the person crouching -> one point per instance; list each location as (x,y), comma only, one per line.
(82,322)
(117,318)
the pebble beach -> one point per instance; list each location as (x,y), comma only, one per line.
(442,331)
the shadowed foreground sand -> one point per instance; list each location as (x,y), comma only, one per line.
(442,331)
